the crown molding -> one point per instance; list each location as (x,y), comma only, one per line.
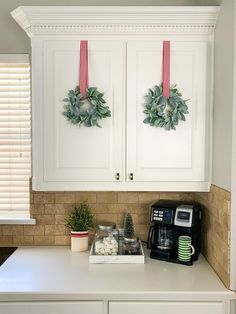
(49,20)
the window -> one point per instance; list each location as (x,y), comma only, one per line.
(15,137)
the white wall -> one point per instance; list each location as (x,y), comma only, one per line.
(14,40)
(233,186)
(223,95)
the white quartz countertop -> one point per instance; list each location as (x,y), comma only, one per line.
(56,273)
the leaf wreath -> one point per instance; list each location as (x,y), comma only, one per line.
(77,112)
(165,112)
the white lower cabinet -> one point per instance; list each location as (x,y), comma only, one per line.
(84,307)
(115,307)
(166,307)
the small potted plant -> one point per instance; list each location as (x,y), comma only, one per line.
(80,221)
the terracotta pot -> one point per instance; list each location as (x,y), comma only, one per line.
(79,241)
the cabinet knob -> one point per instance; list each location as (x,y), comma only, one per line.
(117,176)
(131,176)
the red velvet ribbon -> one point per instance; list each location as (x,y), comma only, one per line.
(166,69)
(83,67)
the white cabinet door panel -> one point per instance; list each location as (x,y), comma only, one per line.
(155,154)
(73,153)
(52,308)
(166,308)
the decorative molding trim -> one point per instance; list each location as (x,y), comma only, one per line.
(110,29)
(115,20)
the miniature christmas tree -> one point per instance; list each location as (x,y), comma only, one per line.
(128,226)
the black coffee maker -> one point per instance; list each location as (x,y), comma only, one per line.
(169,221)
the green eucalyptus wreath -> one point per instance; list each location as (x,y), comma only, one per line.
(164,112)
(78,112)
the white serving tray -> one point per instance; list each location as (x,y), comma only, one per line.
(116,259)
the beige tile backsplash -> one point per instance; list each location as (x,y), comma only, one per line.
(216,227)
(49,210)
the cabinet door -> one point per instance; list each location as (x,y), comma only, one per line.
(51,308)
(72,153)
(166,307)
(155,154)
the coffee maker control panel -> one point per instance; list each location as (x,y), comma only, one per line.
(163,215)
(184,216)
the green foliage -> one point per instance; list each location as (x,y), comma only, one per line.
(164,112)
(128,226)
(77,112)
(81,219)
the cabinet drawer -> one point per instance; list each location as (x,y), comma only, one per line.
(51,308)
(166,307)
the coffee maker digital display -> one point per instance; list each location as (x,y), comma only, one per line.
(171,220)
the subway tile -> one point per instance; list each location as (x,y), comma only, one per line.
(216,217)
(227,207)
(58,208)
(17,230)
(117,208)
(106,217)
(170,196)
(55,230)
(220,193)
(187,197)
(99,208)
(138,209)
(85,197)
(44,198)
(37,209)
(60,219)
(6,240)
(128,197)
(38,198)
(62,240)
(44,219)
(107,197)
(49,197)
(44,240)
(148,197)
(34,230)
(65,198)
(143,219)
(120,220)
(225,220)
(31,198)
(23,240)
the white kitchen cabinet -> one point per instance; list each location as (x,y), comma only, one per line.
(154,154)
(73,153)
(85,307)
(166,307)
(93,307)
(125,59)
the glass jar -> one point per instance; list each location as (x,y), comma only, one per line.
(131,247)
(106,239)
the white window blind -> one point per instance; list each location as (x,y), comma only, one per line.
(15,134)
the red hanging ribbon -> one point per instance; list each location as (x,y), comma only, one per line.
(83,67)
(166,69)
